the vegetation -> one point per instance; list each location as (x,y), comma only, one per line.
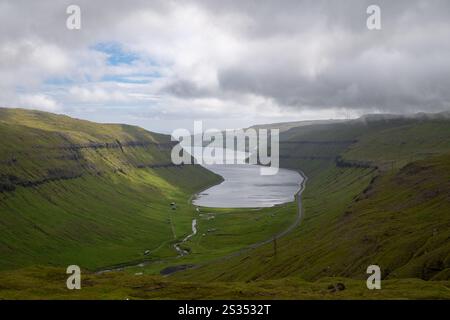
(88,193)
(98,195)
(396,216)
(48,282)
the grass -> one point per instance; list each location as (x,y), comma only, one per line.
(394,216)
(96,221)
(85,193)
(398,146)
(76,192)
(105,205)
(299,252)
(49,283)
(224,231)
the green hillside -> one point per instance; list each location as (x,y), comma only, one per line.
(39,282)
(378,193)
(78,192)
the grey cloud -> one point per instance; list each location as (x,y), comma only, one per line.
(186,89)
(404,67)
(301,54)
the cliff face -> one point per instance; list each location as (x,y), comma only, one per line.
(38,147)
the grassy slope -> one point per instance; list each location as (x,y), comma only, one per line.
(71,198)
(39,145)
(38,282)
(75,192)
(396,216)
(352,219)
(94,221)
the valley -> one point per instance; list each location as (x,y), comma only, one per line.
(99,196)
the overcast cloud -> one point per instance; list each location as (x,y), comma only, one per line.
(163,64)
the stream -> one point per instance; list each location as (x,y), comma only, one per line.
(177,246)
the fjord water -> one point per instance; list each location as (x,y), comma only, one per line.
(245,187)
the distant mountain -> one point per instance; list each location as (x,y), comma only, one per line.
(415,116)
(284,126)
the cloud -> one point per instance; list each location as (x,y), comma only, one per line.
(38,101)
(96,95)
(232,62)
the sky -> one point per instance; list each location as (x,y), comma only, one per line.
(164,64)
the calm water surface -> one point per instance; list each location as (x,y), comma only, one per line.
(245,187)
